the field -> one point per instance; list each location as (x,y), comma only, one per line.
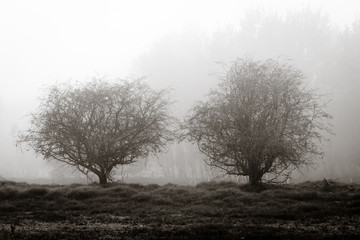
(215,210)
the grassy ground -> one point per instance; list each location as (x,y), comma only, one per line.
(222,210)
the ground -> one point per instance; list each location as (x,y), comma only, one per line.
(214,210)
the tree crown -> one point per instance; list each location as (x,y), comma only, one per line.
(101,124)
(261,119)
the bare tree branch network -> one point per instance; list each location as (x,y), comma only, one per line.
(261,121)
(101,124)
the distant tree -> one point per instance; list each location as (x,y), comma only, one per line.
(261,120)
(99,125)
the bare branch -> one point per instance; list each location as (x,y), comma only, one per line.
(101,124)
(261,120)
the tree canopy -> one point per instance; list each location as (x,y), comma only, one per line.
(261,120)
(101,124)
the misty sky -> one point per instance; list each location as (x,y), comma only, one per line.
(44,42)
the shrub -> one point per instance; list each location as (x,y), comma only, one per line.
(7,207)
(82,194)
(141,197)
(121,191)
(73,205)
(8,193)
(53,195)
(35,192)
(306,196)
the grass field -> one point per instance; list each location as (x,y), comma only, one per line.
(215,210)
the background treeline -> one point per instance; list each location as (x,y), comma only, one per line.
(329,56)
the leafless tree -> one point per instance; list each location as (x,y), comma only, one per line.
(101,124)
(261,120)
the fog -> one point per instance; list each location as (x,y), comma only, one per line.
(180,45)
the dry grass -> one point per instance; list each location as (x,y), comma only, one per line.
(219,209)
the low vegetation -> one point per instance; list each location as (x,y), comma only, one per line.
(310,210)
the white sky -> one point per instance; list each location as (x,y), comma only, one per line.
(46,41)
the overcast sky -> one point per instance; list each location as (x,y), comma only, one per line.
(42,42)
(45,41)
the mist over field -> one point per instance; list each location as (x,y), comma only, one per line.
(184,46)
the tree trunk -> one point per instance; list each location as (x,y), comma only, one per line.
(255,178)
(102,178)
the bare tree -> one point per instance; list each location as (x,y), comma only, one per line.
(262,120)
(99,125)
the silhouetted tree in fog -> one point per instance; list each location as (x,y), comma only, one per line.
(99,125)
(261,120)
